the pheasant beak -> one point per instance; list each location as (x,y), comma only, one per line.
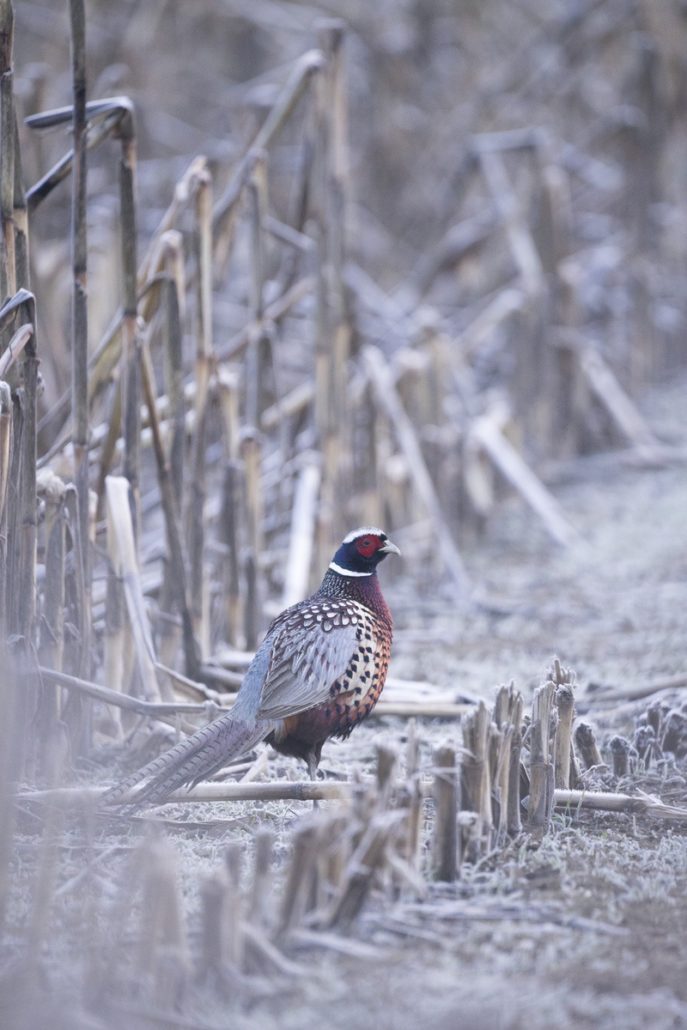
(389,548)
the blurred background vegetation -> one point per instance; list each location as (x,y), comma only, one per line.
(422,254)
(602,83)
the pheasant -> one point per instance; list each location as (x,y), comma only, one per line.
(317,674)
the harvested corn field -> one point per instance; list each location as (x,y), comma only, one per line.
(305,290)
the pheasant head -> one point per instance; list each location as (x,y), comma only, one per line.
(361,552)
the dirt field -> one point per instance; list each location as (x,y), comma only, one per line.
(585,930)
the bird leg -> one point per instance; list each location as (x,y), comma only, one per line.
(312,760)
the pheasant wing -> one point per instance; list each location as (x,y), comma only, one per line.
(311,650)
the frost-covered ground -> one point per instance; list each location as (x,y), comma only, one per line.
(586,930)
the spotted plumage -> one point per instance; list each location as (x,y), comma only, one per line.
(318,673)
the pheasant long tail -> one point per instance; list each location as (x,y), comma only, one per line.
(189,762)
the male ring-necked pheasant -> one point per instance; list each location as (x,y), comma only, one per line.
(317,674)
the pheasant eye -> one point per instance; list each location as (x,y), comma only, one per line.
(367,546)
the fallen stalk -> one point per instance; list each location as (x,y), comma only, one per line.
(305,790)
(277,791)
(423,709)
(163,711)
(644,690)
(220,703)
(602,801)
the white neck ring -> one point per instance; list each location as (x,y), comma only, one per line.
(347,572)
